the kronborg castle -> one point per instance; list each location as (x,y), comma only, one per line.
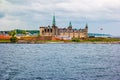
(63,32)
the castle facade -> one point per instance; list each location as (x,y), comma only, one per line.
(63,32)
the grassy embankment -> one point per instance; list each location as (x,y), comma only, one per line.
(87,40)
(5,41)
(98,39)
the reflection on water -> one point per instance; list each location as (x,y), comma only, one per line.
(59,62)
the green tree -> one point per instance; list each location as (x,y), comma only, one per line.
(75,40)
(24,32)
(13,33)
(13,39)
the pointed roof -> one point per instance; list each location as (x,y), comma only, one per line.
(86,26)
(54,22)
(70,24)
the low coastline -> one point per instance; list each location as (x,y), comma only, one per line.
(62,42)
(29,40)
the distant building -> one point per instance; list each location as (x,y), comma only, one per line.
(98,35)
(3,37)
(64,32)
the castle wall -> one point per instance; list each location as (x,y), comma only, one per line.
(54,31)
(41,31)
(71,34)
(76,34)
(48,34)
(61,34)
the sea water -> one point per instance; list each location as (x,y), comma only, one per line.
(59,62)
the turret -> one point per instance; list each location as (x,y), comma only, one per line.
(54,27)
(54,22)
(70,25)
(86,30)
(86,26)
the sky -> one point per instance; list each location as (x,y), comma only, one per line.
(31,14)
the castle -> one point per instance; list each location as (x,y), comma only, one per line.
(63,32)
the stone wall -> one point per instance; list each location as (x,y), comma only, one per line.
(55,31)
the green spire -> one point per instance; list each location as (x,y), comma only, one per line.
(70,25)
(54,22)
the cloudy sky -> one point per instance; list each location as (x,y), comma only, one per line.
(31,14)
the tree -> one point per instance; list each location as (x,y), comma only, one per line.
(24,32)
(13,39)
(12,33)
(75,39)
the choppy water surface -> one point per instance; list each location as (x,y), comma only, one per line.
(59,62)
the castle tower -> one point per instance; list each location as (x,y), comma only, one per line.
(70,25)
(86,26)
(54,27)
(86,30)
(54,22)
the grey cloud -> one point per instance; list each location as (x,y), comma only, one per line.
(2,14)
(19,2)
(40,12)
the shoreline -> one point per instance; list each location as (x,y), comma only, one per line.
(62,42)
